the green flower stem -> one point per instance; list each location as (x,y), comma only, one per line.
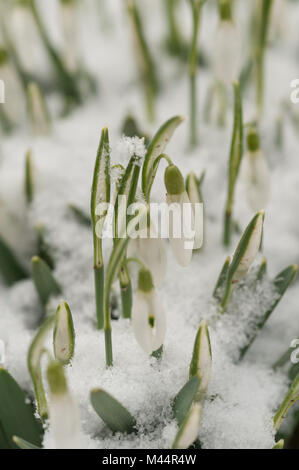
(99,294)
(174,38)
(236,152)
(145,61)
(126,291)
(261,48)
(100,194)
(29,181)
(193,59)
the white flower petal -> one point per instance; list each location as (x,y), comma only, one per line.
(147,305)
(227,53)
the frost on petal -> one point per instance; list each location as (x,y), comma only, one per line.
(226,53)
(256,177)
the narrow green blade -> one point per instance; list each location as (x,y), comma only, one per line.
(280,283)
(291,397)
(113,413)
(184,399)
(10,268)
(16,415)
(44,281)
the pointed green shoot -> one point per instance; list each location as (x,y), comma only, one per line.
(189,429)
(291,397)
(236,152)
(201,362)
(35,354)
(64,334)
(157,147)
(222,280)
(43,279)
(112,412)
(38,111)
(16,414)
(184,399)
(100,196)
(10,267)
(29,180)
(245,253)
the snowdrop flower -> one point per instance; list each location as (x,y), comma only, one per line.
(148,316)
(255,174)
(63,410)
(226,47)
(14,96)
(152,252)
(181,220)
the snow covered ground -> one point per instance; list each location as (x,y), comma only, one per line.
(242,396)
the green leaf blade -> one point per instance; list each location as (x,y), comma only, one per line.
(113,413)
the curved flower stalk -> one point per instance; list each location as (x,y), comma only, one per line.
(12,111)
(64,334)
(226,47)
(255,173)
(63,409)
(151,251)
(181,219)
(35,355)
(155,149)
(148,316)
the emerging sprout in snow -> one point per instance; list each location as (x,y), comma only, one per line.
(64,334)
